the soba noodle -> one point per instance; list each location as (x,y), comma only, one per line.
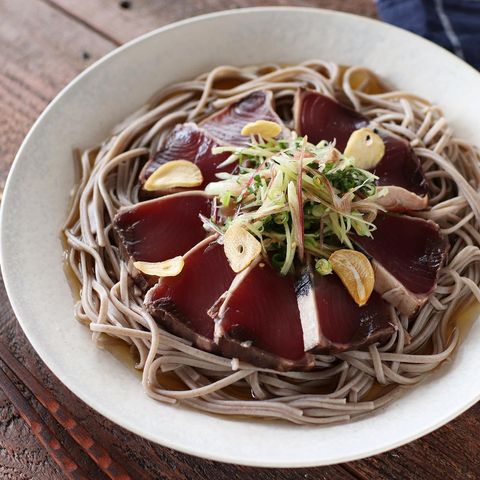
(340,388)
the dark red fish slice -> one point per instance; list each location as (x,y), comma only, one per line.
(189,142)
(322,118)
(400,166)
(259,321)
(332,322)
(408,253)
(227,124)
(162,228)
(181,303)
(412,249)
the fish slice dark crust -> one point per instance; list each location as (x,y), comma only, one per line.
(162,228)
(180,303)
(227,124)
(322,118)
(189,142)
(332,322)
(407,253)
(259,321)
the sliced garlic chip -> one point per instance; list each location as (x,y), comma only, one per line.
(177,173)
(355,272)
(168,268)
(264,128)
(241,247)
(366,147)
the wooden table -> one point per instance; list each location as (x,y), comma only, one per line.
(43,45)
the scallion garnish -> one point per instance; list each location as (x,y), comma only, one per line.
(296,197)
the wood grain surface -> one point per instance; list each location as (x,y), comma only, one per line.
(43,45)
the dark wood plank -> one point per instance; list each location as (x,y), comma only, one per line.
(123,24)
(40,51)
(452,452)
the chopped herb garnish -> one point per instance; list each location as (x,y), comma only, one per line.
(323,266)
(296,197)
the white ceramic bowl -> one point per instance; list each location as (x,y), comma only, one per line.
(37,195)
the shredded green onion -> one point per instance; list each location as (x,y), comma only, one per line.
(316,213)
(323,266)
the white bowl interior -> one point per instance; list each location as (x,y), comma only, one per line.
(39,185)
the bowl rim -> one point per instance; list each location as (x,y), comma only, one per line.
(43,354)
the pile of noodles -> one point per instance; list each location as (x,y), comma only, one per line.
(343,386)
